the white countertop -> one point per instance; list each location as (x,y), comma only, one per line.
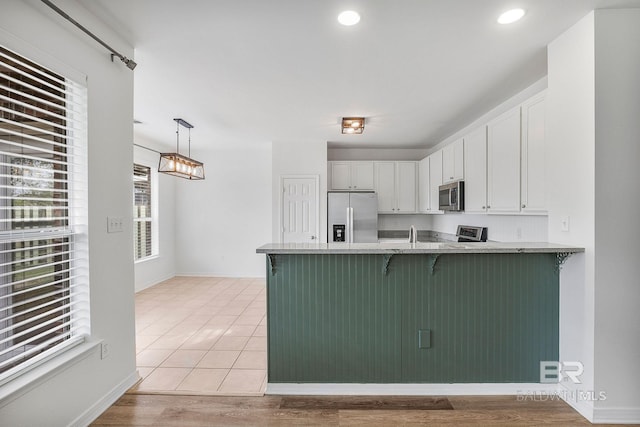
(415,248)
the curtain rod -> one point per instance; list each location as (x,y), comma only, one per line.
(130,63)
(147,148)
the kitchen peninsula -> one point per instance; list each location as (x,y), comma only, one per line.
(412,312)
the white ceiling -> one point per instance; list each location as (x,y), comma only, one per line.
(253,71)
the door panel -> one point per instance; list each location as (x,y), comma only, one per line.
(299,210)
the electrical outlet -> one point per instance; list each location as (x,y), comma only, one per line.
(519,233)
(115,224)
(564,223)
(104,350)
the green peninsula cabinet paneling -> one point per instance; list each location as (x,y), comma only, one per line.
(492,318)
(341,318)
(332,318)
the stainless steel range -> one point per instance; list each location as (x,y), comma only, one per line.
(471,233)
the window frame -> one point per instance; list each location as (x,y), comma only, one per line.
(75,231)
(154,219)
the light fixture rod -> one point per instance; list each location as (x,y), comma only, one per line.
(147,148)
(130,63)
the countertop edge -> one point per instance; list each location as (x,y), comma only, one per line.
(418,248)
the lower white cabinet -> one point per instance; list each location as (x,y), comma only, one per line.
(395,184)
(503,163)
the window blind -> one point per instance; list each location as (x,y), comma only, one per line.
(44,280)
(142,217)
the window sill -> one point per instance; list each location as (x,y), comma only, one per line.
(47,370)
(148,258)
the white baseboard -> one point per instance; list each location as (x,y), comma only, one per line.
(616,416)
(583,407)
(410,389)
(91,414)
(222,275)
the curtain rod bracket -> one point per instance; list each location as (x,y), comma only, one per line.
(128,62)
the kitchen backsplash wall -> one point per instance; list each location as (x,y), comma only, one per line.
(502,228)
(403,222)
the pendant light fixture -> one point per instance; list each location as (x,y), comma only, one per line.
(178,165)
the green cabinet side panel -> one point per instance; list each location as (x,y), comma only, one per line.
(340,318)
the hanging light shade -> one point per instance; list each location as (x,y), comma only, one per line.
(178,165)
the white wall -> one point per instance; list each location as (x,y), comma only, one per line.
(617,203)
(501,228)
(403,222)
(592,131)
(33,30)
(221,220)
(571,138)
(299,158)
(153,270)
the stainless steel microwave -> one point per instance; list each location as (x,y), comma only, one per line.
(451,196)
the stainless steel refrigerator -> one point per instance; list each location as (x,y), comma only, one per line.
(352,217)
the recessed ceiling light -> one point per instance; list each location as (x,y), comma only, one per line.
(511,16)
(349,17)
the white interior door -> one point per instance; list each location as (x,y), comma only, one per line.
(299,210)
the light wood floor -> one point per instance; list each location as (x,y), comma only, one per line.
(183,411)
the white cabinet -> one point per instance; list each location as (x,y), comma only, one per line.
(424,190)
(435,181)
(396,186)
(386,186)
(533,156)
(352,176)
(503,163)
(406,177)
(453,161)
(340,175)
(475,171)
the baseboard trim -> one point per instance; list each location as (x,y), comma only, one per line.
(477,389)
(583,407)
(91,414)
(616,416)
(222,275)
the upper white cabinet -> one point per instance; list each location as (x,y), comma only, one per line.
(453,161)
(385,173)
(503,163)
(406,178)
(533,155)
(435,181)
(424,189)
(352,176)
(475,171)
(395,183)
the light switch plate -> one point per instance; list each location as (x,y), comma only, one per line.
(564,223)
(115,224)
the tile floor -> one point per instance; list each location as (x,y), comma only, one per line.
(202,335)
